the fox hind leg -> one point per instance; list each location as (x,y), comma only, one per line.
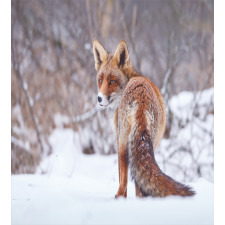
(139,192)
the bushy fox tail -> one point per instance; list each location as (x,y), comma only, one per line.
(146,173)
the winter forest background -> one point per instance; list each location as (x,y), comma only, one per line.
(64,161)
(53,82)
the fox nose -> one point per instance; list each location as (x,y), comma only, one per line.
(99,99)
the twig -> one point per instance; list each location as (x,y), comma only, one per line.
(165,81)
(85,116)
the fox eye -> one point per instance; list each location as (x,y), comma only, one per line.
(100,81)
(112,82)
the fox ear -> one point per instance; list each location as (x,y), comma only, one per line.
(121,54)
(100,54)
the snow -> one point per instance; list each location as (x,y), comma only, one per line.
(72,188)
(192,137)
(60,120)
(87,197)
(87,46)
(183,104)
(65,145)
(21,144)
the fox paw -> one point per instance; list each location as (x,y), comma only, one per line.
(121,194)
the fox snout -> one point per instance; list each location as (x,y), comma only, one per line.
(99,99)
(103,100)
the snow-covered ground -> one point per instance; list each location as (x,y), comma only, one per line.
(72,188)
(191,141)
(87,197)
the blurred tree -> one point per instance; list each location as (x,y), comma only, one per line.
(171,42)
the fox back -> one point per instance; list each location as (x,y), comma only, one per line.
(140,121)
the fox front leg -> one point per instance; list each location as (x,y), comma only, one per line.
(123,172)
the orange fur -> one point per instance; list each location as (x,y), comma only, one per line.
(139,119)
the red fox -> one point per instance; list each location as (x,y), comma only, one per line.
(139,119)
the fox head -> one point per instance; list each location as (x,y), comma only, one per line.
(112,73)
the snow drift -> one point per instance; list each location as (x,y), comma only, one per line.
(80,189)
